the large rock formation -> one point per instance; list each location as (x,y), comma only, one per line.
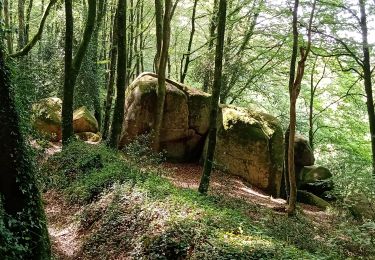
(185,119)
(46,117)
(250,145)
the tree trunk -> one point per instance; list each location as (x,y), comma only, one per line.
(118,114)
(186,56)
(163,59)
(111,80)
(367,80)
(19,193)
(207,168)
(7,25)
(294,90)
(159,32)
(28,14)
(25,50)
(94,58)
(207,78)
(21,24)
(67,107)
(292,116)
(72,67)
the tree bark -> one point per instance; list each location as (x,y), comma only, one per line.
(163,59)
(19,193)
(72,67)
(367,80)
(21,24)
(7,25)
(111,79)
(28,14)
(207,77)
(207,168)
(294,90)
(186,56)
(118,114)
(159,32)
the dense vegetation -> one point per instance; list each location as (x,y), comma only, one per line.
(309,63)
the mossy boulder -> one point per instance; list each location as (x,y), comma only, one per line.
(185,118)
(46,117)
(311,199)
(303,154)
(250,145)
(84,121)
(89,136)
(310,174)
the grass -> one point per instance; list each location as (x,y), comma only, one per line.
(146,217)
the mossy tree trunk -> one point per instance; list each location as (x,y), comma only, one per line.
(72,66)
(161,68)
(19,194)
(111,80)
(159,32)
(118,114)
(21,24)
(207,168)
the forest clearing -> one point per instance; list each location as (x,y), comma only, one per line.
(187,129)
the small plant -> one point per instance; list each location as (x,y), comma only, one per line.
(140,151)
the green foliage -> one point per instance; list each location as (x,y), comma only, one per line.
(10,246)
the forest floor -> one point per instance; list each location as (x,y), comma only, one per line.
(109,211)
(64,225)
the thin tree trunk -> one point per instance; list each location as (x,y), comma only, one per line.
(7,26)
(25,50)
(21,24)
(207,168)
(130,46)
(111,80)
(163,59)
(159,32)
(207,78)
(20,197)
(141,39)
(72,67)
(294,89)
(186,56)
(118,114)
(28,14)
(94,59)
(367,80)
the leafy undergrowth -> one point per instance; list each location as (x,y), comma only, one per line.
(134,212)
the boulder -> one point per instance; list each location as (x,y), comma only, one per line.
(185,118)
(311,199)
(250,144)
(89,137)
(46,117)
(311,174)
(319,188)
(303,154)
(84,121)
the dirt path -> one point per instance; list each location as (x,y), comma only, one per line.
(62,226)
